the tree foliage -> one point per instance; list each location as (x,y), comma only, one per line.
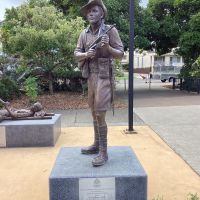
(41,36)
(190,44)
(168,31)
(146,28)
(179,26)
(71,9)
(118,13)
(188,17)
(184,10)
(195,70)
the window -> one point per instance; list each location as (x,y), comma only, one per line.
(171,60)
(142,61)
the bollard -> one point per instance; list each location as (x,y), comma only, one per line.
(173,83)
(198,85)
(124,85)
(181,83)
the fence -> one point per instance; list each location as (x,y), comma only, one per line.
(187,84)
(166,69)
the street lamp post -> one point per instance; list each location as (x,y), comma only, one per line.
(131,66)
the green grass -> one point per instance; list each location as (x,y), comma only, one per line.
(193,197)
(158,198)
(122,77)
(190,197)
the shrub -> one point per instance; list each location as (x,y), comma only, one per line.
(193,197)
(125,67)
(8,89)
(118,68)
(195,69)
(31,88)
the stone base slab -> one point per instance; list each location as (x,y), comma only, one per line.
(30,133)
(74,178)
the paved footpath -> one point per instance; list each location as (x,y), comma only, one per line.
(179,127)
(174,115)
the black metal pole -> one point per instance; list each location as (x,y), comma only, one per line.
(131,66)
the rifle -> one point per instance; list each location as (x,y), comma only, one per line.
(83,65)
(98,40)
(94,46)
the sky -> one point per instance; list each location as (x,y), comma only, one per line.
(9,3)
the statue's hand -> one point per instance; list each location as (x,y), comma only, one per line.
(6,103)
(40,114)
(91,53)
(105,41)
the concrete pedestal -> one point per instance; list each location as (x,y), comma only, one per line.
(121,178)
(30,133)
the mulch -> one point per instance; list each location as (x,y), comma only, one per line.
(60,101)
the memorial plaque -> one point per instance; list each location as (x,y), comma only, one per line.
(2,137)
(97,188)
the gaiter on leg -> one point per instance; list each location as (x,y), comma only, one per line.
(102,157)
(94,148)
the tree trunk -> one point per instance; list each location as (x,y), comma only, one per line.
(50,83)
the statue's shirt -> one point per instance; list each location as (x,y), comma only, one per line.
(100,94)
(87,38)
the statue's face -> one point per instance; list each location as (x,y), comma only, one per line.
(36,107)
(94,14)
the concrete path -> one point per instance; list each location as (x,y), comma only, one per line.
(83,118)
(174,115)
(179,127)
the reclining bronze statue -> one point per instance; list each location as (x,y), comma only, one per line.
(36,111)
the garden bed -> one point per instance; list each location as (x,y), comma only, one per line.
(61,101)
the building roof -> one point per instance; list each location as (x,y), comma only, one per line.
(172,53)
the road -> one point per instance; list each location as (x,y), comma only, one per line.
(157,94)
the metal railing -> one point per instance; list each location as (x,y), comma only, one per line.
(187,84)
(166,69)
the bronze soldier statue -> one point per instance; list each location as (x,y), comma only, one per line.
(97,46)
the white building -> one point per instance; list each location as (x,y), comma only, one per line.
(169,59)
(167,66)
(143,62)
(1,23)
(161,67)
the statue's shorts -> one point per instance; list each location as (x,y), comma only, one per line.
(99,93)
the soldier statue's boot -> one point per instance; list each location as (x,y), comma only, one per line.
(94,148)
(102,157)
